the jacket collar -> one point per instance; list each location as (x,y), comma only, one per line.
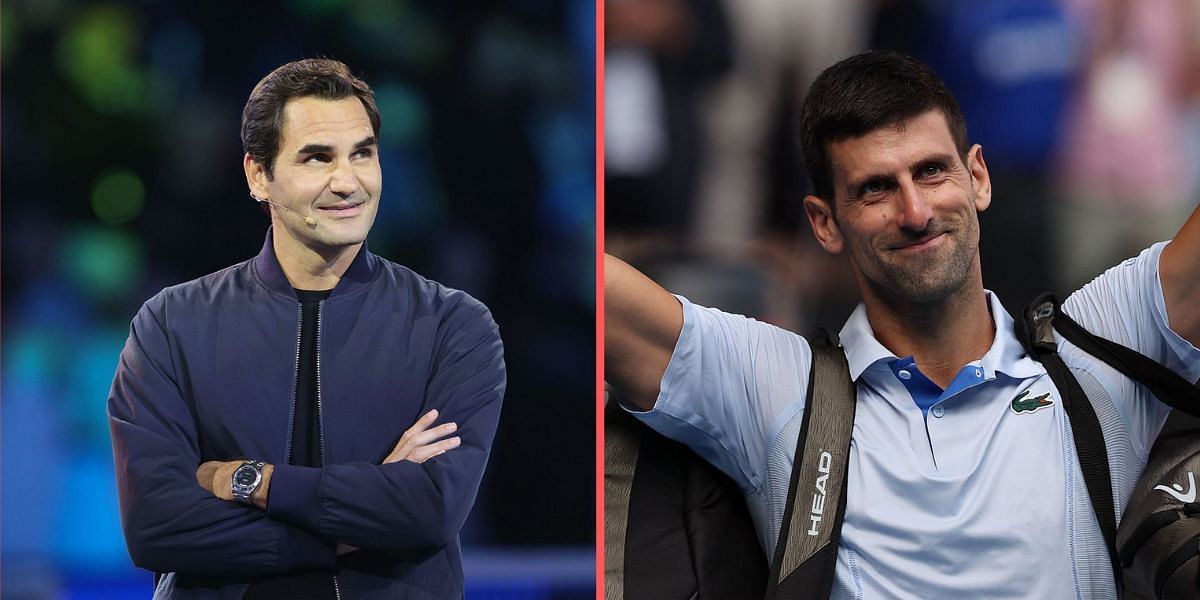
(362,269)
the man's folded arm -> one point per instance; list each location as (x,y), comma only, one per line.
(170,522)
(405,507)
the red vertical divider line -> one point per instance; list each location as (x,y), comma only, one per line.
(599,299)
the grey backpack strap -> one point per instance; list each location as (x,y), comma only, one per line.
(622,441)
(806,552)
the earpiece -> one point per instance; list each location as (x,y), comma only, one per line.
(308,219)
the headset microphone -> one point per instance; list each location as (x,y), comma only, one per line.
(308,220)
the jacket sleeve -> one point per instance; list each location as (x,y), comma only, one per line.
(405,507)
(170,522)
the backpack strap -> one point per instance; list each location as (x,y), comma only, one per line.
(1165,384)
(806,552)
(622,444)
(1036,332)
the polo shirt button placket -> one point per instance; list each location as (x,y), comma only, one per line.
(938,411)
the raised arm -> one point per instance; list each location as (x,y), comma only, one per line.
(170,522)
(642,322)
(1179,272)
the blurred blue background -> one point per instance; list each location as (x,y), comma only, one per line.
(122,175)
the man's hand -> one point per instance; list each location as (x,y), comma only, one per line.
(420,443)
(216,476)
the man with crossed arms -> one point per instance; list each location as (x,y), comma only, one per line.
(259,413)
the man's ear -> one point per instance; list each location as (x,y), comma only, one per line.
(820,216)
(979,178)
(256,177)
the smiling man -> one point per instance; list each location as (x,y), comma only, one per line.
(313,422)
(963,480)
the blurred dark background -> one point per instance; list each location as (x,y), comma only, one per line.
(122,175)
(1088,112)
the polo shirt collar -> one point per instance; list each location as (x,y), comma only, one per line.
(1005,356)
(858,340)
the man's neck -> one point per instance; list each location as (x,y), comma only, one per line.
(941,336)
(309,269)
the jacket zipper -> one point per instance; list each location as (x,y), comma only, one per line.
(337,591)
(295,382)
(320,413)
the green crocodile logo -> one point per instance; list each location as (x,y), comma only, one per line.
(1020,404)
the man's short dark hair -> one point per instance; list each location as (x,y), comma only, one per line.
(325,78)
(866,92)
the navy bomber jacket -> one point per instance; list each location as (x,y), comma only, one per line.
(208,373)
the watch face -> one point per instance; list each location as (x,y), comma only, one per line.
(244,476)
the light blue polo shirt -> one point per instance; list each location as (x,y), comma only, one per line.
(974,491)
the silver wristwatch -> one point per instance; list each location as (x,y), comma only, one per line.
(246,479)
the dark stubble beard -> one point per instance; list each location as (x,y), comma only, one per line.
(938,277)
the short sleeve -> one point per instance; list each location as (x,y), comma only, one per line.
(731,384)
(1126,305)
